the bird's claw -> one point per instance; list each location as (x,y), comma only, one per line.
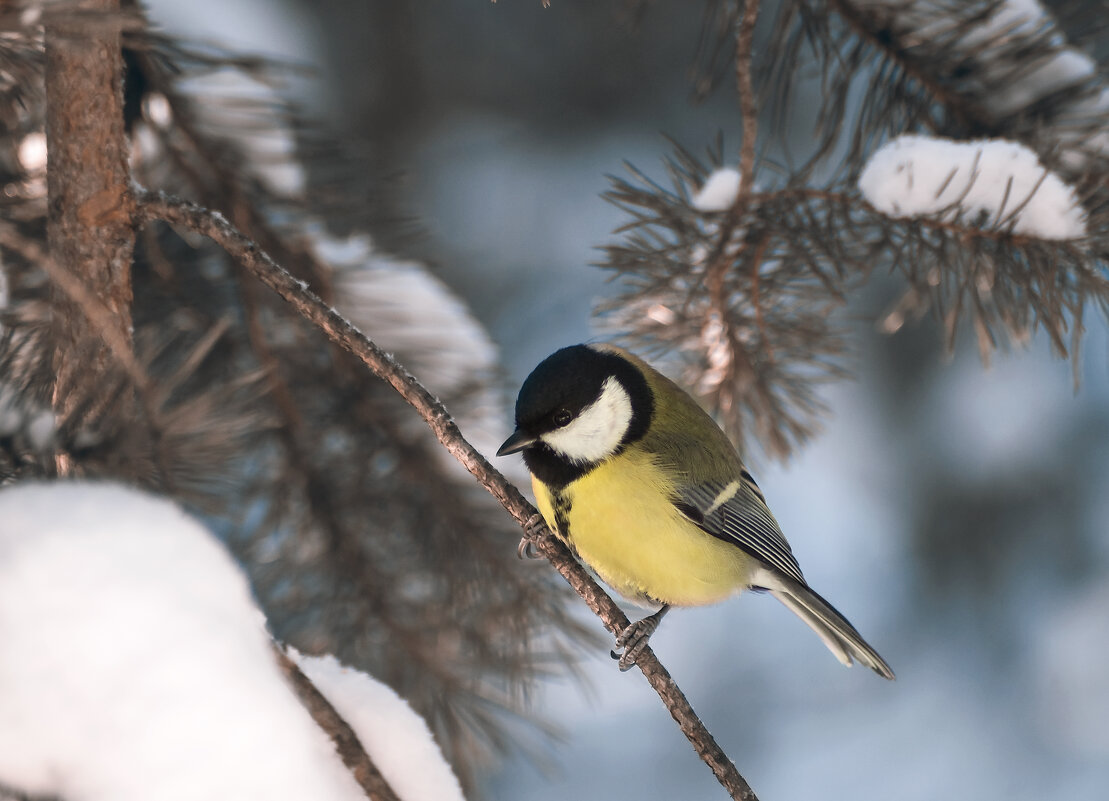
(526,549)
(533,530)
(633,640)
(535,527)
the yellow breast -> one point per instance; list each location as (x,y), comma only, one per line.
(619,519)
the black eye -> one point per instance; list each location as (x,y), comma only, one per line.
(562,417)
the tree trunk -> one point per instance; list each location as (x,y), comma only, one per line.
(89,229)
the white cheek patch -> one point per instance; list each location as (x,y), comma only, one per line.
(595,433)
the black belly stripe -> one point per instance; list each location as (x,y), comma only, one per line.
(562,506)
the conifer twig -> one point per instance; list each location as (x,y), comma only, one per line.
(194,218)
(349,747)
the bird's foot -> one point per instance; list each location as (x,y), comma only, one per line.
(633,639)
(533,528)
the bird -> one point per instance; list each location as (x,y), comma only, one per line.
(644,487)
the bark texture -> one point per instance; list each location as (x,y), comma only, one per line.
(89,229)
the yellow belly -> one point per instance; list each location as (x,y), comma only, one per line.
(622,525)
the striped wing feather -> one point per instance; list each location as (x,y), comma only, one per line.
(735,512)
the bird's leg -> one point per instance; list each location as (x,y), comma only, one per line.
(526,548)
(633,639)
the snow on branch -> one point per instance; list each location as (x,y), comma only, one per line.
(971,68)
(745,305)
(399,740)
(719,192)
(136,665)
(996,216)
(992,183)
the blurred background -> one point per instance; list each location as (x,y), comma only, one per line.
(959,516)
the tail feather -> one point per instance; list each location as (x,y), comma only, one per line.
(826,634)
(833,628)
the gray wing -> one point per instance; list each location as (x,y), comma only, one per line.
(736,512)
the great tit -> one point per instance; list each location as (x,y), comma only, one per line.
(644,487)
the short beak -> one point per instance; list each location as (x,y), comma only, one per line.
(516,443)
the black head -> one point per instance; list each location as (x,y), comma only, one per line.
(580,406)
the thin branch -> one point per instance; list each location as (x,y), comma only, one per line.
(748,108)
(214,226)
(350,748)
(718,261)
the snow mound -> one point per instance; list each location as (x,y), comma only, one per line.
(989,182)
(135,665)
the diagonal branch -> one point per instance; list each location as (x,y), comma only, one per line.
(350,749)
(213,225)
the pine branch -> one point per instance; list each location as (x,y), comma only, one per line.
(965,70)
(741,299)
(213,225)
(878,35)
(350,749)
